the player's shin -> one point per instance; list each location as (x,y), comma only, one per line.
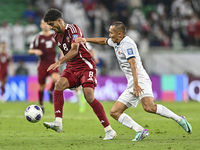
(100,113)
(58,105)
(165,112)
(129,122)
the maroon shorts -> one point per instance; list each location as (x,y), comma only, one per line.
(42,74)
(3,75)
(77,78)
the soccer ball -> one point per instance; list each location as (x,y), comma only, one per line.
(33,113)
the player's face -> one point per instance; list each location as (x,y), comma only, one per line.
(55,26)
(44,26)
(114,35)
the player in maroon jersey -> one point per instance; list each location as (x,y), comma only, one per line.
(5,60)
(80,70)
(44,46)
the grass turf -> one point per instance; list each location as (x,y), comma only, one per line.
(83,130)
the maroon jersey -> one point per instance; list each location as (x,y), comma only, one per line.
(83,60)
(47,45)
(4,61)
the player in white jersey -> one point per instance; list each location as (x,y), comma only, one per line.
(139,86)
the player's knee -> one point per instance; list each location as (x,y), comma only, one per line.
(150,108)
(59,86)
(89,97)
(113,114)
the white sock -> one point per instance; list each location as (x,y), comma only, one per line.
(107,128)
(165,112)
(59,120)
(129,122)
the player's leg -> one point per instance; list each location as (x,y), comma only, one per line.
(88,90)
(58,101)
(41,94)
(42,74)
(126,100)
(65,81)
(3,82)
(55,76)
(80,98)
(149,106)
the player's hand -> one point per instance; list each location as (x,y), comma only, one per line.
(137,91)
(38,52)
(54,66)
(80,39)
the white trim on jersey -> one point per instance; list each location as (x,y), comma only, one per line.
(86,61)
(80,31)
(37,41)
(85,47)
(73,29)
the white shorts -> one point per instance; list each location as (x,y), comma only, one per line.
(128,99)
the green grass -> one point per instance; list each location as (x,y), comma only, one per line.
(83,130)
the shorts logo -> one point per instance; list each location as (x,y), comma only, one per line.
(90,76)
(74,36)
(130,51)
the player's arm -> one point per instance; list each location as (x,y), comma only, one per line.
(137,90)
(11,65)
(71,54)
(36,52)
(101,41)
(61,53)
(94,56)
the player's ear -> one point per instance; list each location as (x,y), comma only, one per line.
(59,20)
(120,34)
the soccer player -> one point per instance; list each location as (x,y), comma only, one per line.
(44,46)
(5,60)
(80,70)
(139,87)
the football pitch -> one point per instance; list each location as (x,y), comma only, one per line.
(83,131)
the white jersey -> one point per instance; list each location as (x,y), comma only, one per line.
(124,51)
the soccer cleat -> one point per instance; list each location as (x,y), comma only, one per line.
(50,96)
(110,135)
(53,125)
(141,135)
(185,125)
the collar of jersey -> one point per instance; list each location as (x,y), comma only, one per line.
(121,41)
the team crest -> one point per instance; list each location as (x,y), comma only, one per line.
(67,39)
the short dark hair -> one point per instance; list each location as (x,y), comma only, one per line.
(119,26)
(52,15)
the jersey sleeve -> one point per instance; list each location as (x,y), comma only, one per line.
(74,32)
(35,42)
(110,42)
(129,50)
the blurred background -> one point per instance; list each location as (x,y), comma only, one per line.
(167,33)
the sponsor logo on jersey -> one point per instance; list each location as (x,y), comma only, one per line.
(74,36)
(130,51)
